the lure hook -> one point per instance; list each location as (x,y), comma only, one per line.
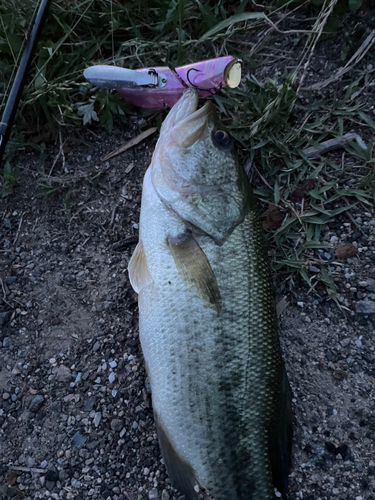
(210,90)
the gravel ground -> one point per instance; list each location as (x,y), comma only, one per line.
(75,408)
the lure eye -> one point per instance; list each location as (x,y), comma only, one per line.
(222,139)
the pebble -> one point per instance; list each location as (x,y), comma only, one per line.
(96,346)
(7,342)
(153,494)
(370,285)
(5,317)
(78,440)
(43,464)
(111,377)
(314,269)
(10,280)
(112,364)
(75,483)
(89,405)
(116,424)
(7,224)
(6,395)
(365,307)
(97,418)
(300,304)
(36,403)
(165,495)
(358,343)
(63,374)
(345,342)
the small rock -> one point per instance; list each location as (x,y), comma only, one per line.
(75,483)
(63,475)
(44,464)
(7,224)
(6,395)
(52,474)
(97,418)
(10,280)
(333,240)
(370,285)
(365,307)
(50,485)
(36,403)
(314,269)
(358,343)
(89,405)
(300,304)
(153,494)
(96,346)
(7,342)
(345,251)
(112,364)
(5,317)
(63,374)
(78,440)
(165,495)
(111,377)
(116,424)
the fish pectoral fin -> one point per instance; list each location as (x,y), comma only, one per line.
(139,274)
(194,267)
(280,444)
(181,473)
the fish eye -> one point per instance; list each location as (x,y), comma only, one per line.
(222,139)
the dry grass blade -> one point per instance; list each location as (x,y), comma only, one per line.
(129,144)
(314,37)
(361,52)
(332,144)
(281,306)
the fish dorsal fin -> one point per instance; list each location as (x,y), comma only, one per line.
(139,274)
(180,472)
(195,269)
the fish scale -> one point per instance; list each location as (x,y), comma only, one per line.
(208,325)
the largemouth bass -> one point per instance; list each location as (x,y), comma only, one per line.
(207,319)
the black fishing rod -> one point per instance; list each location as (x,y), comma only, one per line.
(19,80)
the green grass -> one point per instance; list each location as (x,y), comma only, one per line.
(271,123)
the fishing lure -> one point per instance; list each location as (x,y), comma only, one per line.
(163,86)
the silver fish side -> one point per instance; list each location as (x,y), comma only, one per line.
(208,328)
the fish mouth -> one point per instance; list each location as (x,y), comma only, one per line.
(188,121)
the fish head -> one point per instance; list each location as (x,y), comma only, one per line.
(195,172)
